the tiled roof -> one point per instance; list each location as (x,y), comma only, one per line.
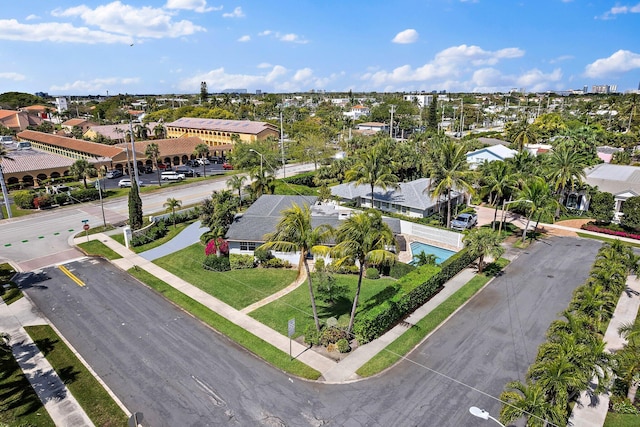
(87,147)
(75,122)
(234,126)
(32,161)
(18,120)
(168,147)
(116,132)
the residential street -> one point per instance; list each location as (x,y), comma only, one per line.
(162,362)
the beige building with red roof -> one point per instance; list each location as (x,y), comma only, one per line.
(221,134)
(18,120)
(80,123)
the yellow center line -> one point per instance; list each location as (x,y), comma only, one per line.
(66,271)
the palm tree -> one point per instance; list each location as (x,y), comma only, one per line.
(153,153)
(423,258)
(627,360)
(262,183)
(159,132)
(565,170)
(202,150)
(448,170)
(236,182)
(528,400)
(525,134)
(482,242)
(83,169)
(364,238)
(294,233)
(500,181)
(372,167)
(536,197)
(172,204)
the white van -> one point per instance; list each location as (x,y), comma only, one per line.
(6,139)
(172,176)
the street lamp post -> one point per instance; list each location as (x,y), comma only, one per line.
(261,157)
(481,413)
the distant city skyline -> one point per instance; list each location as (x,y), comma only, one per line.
(152,47)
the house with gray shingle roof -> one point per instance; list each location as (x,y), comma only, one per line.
(247,231)
(411,198)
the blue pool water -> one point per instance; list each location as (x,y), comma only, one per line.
(440,253)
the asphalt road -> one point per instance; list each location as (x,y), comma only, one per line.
(178,372)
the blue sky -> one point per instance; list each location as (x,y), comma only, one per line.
(73,47)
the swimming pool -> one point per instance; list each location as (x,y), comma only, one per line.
(440,253)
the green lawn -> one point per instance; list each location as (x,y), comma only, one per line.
(238,288)
(606,239)
(414,335)
(621,420)
(96,247)
(261,348)
(19,403)
(13,294)
(297,304)
(93,398)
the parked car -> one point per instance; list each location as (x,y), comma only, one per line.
(172,176)
(203,161)
(216,160)
(126,183)
(227,166)
(191,162)
(164,167)
(464,221)
(188,172)
(116,173)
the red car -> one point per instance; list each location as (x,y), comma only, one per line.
(227,166)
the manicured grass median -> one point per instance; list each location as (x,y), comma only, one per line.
(297,304)
(19,403)
(97,248)
(171,233)
(12,293)
(249,341)
(414,335)
(621,420)
(93,398)
(606,239)
(238,288)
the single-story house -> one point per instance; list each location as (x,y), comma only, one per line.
(411,198)
(489,154)
(605,153)
(620,180)
(247,231)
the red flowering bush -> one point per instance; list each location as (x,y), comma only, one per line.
(590,227)
(217,245)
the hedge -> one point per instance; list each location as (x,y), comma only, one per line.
(590,227)
(400,269)
(306,179)
(373,323)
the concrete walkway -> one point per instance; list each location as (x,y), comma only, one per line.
(190,235)
(593,412)
(56,398)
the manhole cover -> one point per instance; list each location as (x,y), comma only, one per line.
(550,276)
(578,245)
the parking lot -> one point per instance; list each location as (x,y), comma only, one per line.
(152,178)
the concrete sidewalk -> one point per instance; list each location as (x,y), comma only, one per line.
(590,412)
(56,398)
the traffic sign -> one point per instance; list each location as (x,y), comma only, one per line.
(84,221)
(86,227)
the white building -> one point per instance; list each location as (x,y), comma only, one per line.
(489,154)
(420,99)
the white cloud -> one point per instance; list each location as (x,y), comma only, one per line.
(31,17)
(10,29)
(145,22)
(199,6)
(93,86)
(12,76)
(451,62)
(561,58)
(237,13)
(619,62)
(244,39)
(406,36)
(290,37)
(534,80)
(277,78)
(264,65)
(620,10)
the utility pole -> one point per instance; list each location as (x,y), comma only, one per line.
(133,149)
(393,109)
(284,174)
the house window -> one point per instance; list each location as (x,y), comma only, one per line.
(247,246)
(404,209)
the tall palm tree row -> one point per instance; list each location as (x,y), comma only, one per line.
(574,355)
(373,167)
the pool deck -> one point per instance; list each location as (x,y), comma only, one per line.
(407,256)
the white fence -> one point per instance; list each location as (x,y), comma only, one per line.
(436,236)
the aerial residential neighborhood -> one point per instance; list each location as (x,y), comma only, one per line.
(311,214)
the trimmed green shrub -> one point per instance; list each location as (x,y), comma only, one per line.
(372,273)
(240,262)
(154,232)
(43,201)
(85,194)
(61,199)
(332,335)
(306,179)
(24,198)
(262,255)
(276,263)
(343,345)
(400,269)
(215,263)
(311,335)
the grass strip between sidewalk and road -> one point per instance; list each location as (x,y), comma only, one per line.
(414,335)
(10,293)
(97,248)
(621,420)
(92,397)
(606,239)
(20,405)
(257,346)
